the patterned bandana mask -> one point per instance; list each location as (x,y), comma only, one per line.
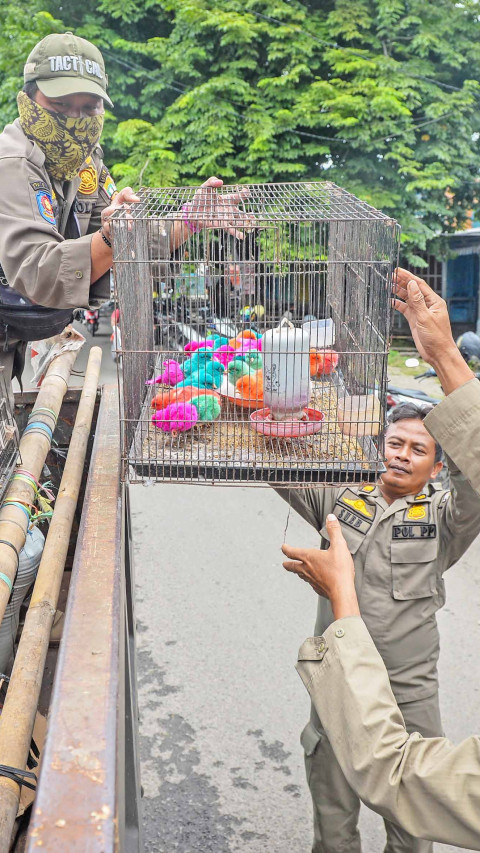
(66,142)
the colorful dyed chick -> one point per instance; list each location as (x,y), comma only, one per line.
(172,374)
(253,358)
(224,354)
(206,377)
(251,387)
(200,359)
(208,408)
(237,368)
(196,345)
(176,417)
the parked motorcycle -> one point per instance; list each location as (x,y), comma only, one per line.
(91,319)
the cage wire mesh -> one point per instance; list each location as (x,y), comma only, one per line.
(262,321)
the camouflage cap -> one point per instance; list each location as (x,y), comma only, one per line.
(64,64)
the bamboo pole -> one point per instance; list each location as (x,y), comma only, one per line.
(34,446)
(18,715)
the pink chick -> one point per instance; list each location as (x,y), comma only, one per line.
(224,354)
(172,374)
(176,417)
(249,344)
(194,345)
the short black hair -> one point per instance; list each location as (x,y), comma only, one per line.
(30,89)
(412,411)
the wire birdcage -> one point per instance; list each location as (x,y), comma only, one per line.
(261,324)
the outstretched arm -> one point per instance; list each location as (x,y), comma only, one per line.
(427,785)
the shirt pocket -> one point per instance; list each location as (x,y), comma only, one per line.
(414,569)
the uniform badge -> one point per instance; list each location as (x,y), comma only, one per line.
(420,497)
(88,180)
(45,207)
(358,505)
(416,513)
(368,488)
(109,187)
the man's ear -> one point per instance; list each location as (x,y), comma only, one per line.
(436,470)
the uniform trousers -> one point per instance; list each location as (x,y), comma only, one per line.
(336,806)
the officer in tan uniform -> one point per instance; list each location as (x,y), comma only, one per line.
(58,195)
(428,786)
(403,534)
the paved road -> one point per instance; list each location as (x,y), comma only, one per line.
(221,704)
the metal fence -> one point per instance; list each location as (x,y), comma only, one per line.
(260,316)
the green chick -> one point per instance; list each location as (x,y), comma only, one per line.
(237,368)
(254,360)
(208,408)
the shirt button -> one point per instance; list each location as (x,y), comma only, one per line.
(321,646)
(78,274)
(339,632)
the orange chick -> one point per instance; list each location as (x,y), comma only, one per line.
(323,362)
(180,395)
(250,387)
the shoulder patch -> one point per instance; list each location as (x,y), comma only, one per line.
(110,187)
(107,184)
(45,206)
(89,179)
(358,504)
(39,185)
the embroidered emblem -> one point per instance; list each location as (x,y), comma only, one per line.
(45,207)
(109,186)
(420,497)
(359,505)
(89,180)
(39,185)
(369,488)
(416,513)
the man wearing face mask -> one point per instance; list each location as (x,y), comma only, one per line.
(57,196)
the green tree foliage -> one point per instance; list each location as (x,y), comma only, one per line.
(380,96)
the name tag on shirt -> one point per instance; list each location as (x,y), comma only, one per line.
(352,520)
(414,531)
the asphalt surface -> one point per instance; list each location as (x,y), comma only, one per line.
(219,625)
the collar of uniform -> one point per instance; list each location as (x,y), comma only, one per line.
(423,497)
(370,490)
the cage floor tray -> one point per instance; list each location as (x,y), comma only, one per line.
(228,449)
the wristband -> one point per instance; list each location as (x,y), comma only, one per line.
(192,227)
(105,238)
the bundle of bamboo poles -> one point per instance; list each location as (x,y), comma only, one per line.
(34,446)
(18,714)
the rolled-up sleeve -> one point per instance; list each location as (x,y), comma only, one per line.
(37,261)
(427,785)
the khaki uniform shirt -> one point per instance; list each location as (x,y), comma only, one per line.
(38,257)
(428,786)
(400,553)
